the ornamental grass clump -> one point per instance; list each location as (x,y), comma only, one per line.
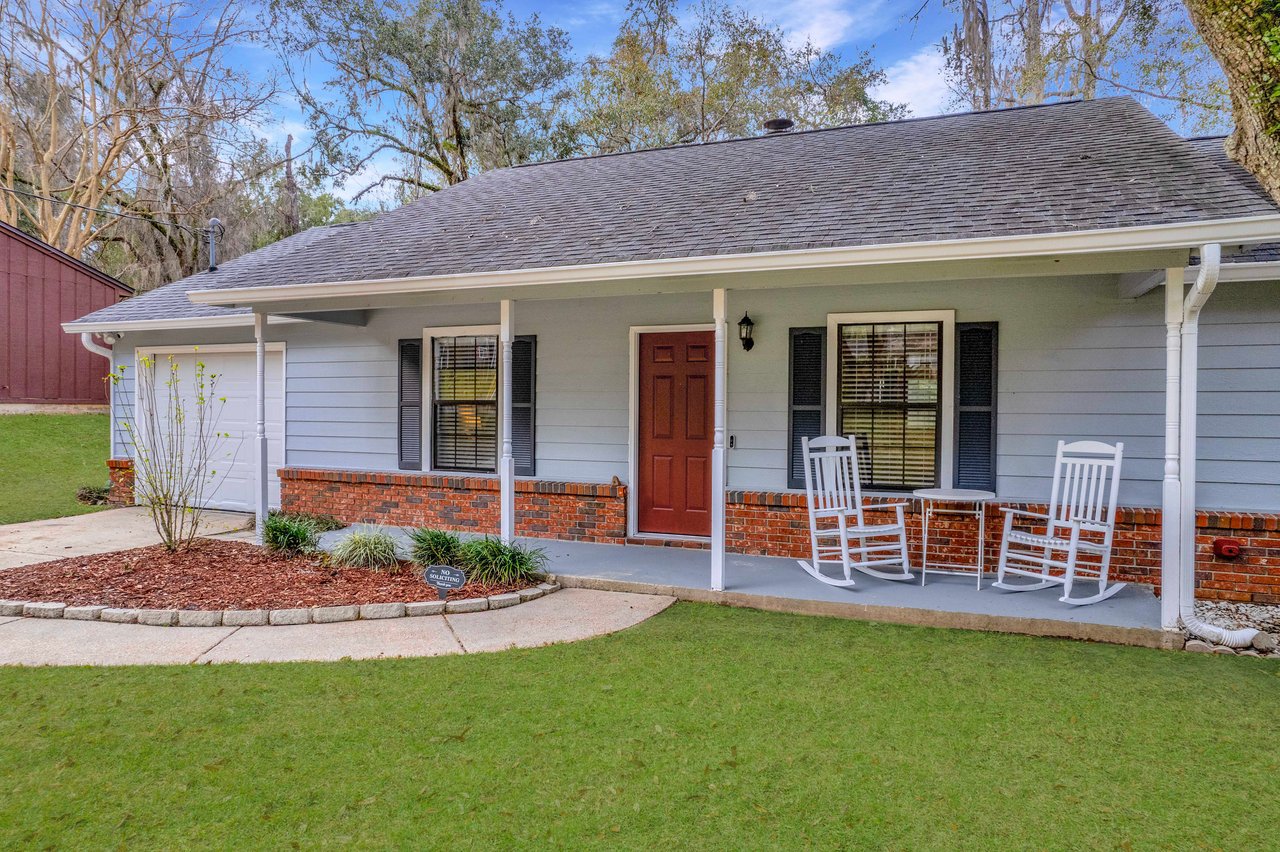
(290,535)
(373,550)
(434,547)
(490,561)
(321,523)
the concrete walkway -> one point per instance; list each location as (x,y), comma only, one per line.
(566,616)
(100,532)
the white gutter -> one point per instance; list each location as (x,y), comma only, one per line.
(236,321)
(86,340)
(1250,229)
(1206,281)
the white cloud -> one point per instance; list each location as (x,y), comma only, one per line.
(825,23)
(918,82)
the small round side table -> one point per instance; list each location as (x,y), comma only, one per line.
(942,501)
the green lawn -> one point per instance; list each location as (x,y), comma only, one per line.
(45,458)
(705,727)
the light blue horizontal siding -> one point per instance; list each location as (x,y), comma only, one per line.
(1075,362)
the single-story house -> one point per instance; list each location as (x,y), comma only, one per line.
(559,350)
(41,288)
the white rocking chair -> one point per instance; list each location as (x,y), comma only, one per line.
(835,495)
(1078,527)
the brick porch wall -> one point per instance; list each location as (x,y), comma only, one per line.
(120,472)
(763,523)
(567,510)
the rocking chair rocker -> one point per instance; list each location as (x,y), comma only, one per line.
(1080,524)
(836,515)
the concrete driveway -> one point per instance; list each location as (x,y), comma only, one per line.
(100,532)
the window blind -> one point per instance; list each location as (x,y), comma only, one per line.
(888,397)
(464,391)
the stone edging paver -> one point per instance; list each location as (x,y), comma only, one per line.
(264,617)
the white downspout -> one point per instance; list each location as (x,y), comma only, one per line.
(1206,281)
(86,340)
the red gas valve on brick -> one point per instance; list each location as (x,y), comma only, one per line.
(1226,548)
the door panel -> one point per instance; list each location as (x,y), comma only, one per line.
(673,494)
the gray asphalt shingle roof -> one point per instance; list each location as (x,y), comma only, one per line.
(1214,148)
(1064,167)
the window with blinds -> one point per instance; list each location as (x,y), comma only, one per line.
(464,403)
(888,397)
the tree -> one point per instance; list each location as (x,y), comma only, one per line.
(118,105)
(713,72)
(444,86)
(1244,36)
(1016,52)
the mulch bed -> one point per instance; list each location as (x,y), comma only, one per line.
(217,575)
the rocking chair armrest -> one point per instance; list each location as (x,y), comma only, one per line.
(877,506)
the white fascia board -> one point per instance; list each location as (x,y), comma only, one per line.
(237,321)
(1142,238)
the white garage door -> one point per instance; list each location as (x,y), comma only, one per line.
(231,487)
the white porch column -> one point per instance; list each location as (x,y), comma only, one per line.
(717,444)
(507,464)
(1171,504)
(260,393)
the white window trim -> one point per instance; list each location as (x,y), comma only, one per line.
(946,382)
(633,425)
(428,391)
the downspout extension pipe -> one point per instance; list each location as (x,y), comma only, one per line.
(1206,281)
(87,341)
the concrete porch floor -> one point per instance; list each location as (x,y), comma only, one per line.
(1131,617)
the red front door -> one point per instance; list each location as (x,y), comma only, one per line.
(673,494)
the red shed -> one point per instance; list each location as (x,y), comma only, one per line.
(41,288)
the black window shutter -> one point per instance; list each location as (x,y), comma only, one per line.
(807,398)
(976,348)
(410,429)
(524,352)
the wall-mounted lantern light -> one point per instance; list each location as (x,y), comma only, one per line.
(745,327)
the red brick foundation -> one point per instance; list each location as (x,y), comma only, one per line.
(764,523)
(121,473)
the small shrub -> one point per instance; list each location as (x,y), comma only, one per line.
(434,547)
(320,523)
(489,561)
(93,495)
(291,535)
(373,550)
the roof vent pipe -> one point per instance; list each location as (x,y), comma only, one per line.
(215,228)
(781,124)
